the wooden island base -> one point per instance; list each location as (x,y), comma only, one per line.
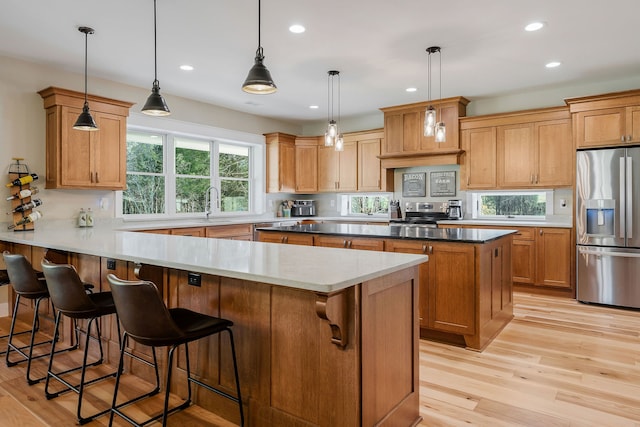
(348,358)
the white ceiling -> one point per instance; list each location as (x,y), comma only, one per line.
(377,45)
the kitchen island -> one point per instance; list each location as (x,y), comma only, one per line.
(466,290)
(324,336)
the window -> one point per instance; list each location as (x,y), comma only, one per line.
(364,204)
(170,175)
(524,205)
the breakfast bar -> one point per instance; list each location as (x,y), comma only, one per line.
(324,336)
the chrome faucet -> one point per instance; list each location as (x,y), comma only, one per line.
(207,201)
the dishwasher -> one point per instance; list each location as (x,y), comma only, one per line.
(271,224)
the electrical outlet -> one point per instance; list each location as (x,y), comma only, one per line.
(194,279)
(111,264)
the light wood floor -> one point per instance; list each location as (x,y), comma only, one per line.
(558,363)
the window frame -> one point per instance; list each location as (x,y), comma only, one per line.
(345,205)
(214,136)
(475,205)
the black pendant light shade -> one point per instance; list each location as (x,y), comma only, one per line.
(85,121)
(259,79)
(155,105)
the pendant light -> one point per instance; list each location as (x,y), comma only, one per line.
(155,105)
(433,126)
(85,121)
(259,81)
(332,136)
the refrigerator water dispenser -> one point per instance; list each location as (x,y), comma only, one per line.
(600,217)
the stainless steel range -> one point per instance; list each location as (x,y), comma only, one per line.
(422,214)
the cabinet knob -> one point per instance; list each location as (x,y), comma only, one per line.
(622,138)
(431,249)
(540,232)
(344,243)
(97,179)
(424,249)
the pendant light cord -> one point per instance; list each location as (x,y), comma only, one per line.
(86,37)
(155,46)
(429,75)
(440,76)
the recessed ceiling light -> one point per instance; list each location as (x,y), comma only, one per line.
(314,107)
(297,29)
(186,67)
(553,64)
(534,26)
(411,89)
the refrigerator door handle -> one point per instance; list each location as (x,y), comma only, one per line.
(629,184)
(587,251)
(623,199)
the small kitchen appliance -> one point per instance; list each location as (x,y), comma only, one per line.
(454,209)
(303,208)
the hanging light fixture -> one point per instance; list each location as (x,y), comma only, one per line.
(333,137)
(85,121)
(433,126)
(155,105)
(259,81)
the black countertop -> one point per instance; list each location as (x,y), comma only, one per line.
(397,231)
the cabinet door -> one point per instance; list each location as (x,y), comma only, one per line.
(306,168)
(393,133)
(452,289)
(554,154)
(75,151)
(523,258)
(448,115)
(110,152)
(633,124)
(554,248)
(480,158)
(412,131)
(281,167)
(420,248)
(328,163)
(369,172)
(348,167)
(600,127)
(516,151)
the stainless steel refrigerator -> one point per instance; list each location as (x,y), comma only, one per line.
(608,226)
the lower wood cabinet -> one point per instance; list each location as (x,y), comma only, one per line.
(348,242)
(542,258)
(287,238)
(231,232)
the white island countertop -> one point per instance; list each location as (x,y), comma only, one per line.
(311,268)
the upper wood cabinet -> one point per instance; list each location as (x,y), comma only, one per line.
(606,120)
(525,149)
(478,163)
(338,170)
(370,174)
(80,159)
(281,162)
(404,138)
(306,158)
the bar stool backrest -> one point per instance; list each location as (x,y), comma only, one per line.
(143,314)
(23,277)
(66,290)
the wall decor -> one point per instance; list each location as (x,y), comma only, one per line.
(414,184)
(442,184)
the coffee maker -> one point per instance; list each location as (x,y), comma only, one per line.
(454,209)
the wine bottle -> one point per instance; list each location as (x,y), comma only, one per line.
(32,217)
(23,180)
(23,194)
(26,206)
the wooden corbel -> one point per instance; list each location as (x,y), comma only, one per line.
(333,308)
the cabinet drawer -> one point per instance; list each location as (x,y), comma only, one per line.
(524,233)
(225,231)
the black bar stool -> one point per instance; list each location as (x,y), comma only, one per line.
(26,284)
(146,319)
(4,280)
(70,299)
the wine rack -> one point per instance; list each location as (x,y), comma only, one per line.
(18,170)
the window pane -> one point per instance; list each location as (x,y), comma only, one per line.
(235,196)
(369,205)
(233,161)
(144,153)
(190,194)
(512,205)
(144,195)
(192,157)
